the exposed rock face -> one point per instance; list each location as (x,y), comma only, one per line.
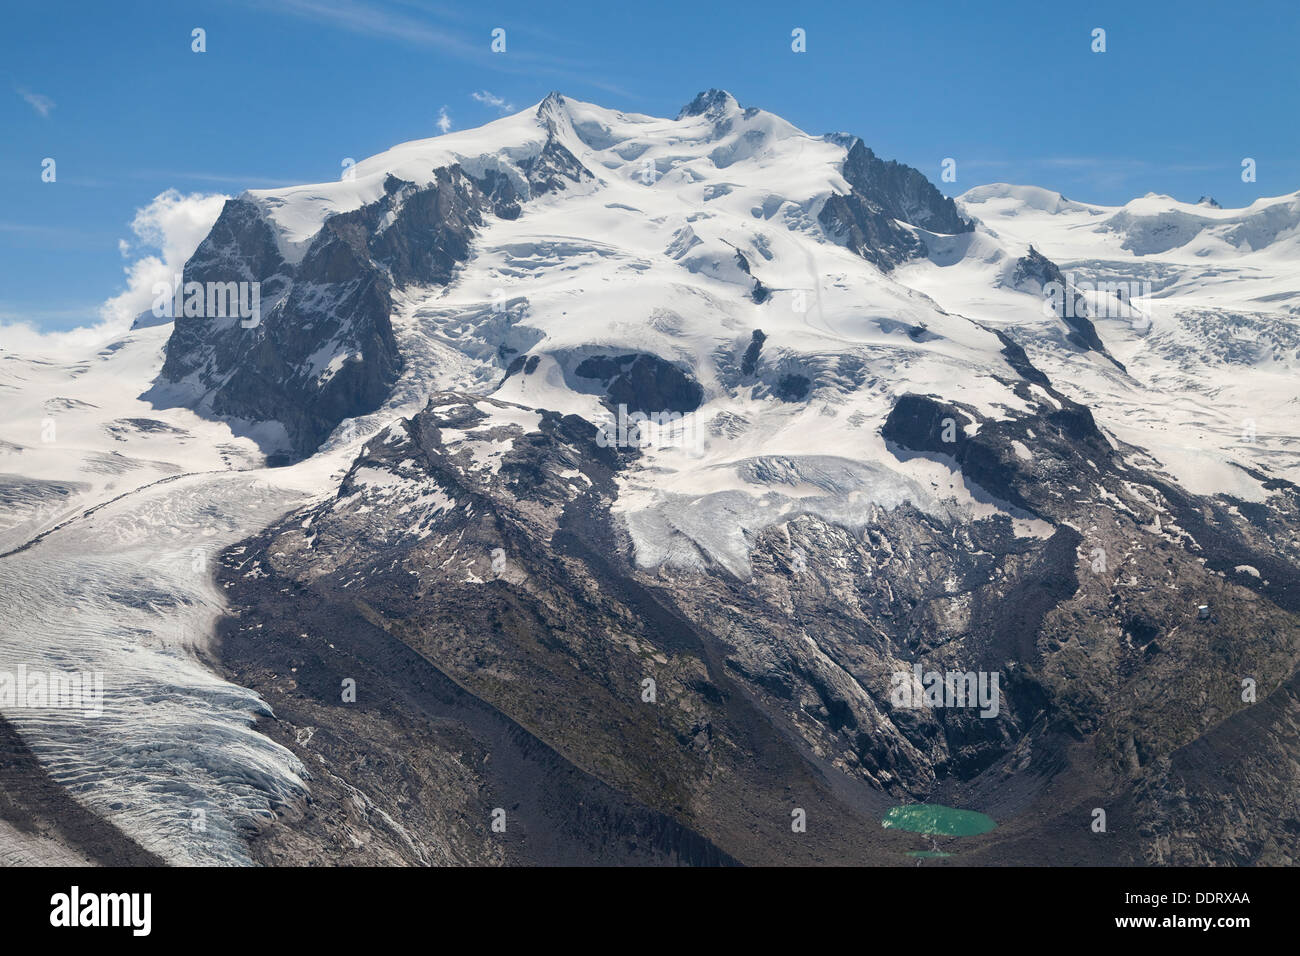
(1036,270)
(713,103)
(479,548)
(760,292)
(643,383)
(554,168)
(1137,733)
(492,590)
(902,192)
(1015,355)
(324,348)
(885,194)
(749,362)
(921,423)
(793,388)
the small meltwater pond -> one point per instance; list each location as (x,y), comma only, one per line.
(934,818)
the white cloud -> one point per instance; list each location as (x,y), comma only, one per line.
(167,231)
(444,121)
(37,101)
(494,101)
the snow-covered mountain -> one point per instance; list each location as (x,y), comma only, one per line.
(581,400)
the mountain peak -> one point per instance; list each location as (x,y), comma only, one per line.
(554,101)
(552,110)
(712,102)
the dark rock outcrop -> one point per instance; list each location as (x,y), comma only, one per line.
(749,362)
(643,383)
(1035,269)
(324,348)
(792,388)
(884,195)
(1068,432)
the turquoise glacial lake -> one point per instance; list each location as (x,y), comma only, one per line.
(937,819)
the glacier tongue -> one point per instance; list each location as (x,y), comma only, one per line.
(173,759)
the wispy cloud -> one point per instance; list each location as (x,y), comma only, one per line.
(37,101)
(22,227)
(372,19)
(444,121)
(166,233)
(64,238)
(492,100)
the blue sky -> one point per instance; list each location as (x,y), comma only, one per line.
(288,88)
